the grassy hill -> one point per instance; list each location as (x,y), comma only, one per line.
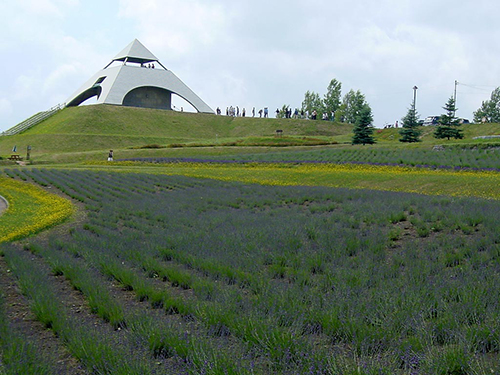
(87,132)
(102,127)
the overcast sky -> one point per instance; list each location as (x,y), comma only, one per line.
(258,53)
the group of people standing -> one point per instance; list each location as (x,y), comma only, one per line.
(235,112)
(324,116)
(287,113)
(283,113)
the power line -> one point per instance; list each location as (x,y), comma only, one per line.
(477,87)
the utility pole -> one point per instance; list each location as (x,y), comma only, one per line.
(455,98)
(415,88)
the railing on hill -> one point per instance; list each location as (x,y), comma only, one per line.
(33,120)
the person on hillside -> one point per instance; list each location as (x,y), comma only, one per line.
(253,112)
(110,155)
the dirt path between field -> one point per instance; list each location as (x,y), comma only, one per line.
(3,204)
(23,322)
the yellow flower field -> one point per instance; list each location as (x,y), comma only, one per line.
(31,209)
(483,184)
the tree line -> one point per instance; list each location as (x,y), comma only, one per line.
(354,109)
(449,125)
(338,108)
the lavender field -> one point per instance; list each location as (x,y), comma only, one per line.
(476,156)
(176,275)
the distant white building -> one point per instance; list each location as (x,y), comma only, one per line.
(136,78)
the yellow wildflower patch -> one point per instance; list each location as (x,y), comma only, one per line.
(31,209)
(483,184)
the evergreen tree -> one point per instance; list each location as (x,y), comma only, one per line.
(410,132)
(363,129)
(448,123)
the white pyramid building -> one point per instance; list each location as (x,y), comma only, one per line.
(136,78)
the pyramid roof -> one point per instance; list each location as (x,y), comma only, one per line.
(129,85)
(135,52)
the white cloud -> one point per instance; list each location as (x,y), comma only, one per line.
(41,8)
(180,26)
(5,106)
(27,86)
(69,3)
(58,77)
(259,52)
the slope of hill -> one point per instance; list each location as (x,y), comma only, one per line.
(87,132)
(100,127)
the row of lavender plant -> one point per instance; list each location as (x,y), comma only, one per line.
(127,277)
(19,355)
(449,157)
(481,158)
(218,313)
(118,262)
(347,269)
(86,343)
(161,338)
